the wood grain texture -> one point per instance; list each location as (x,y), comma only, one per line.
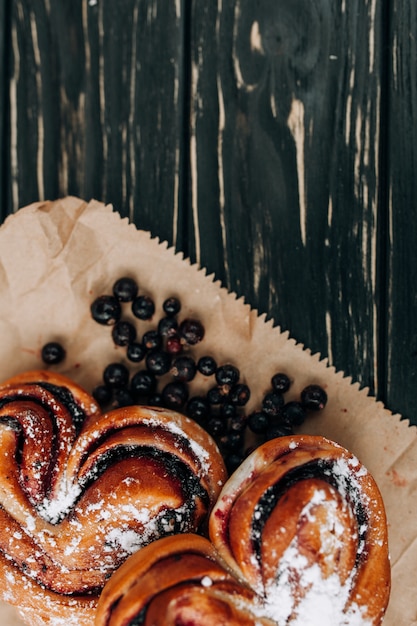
(401,357)
(3,103)
(285,122)
(96,101)
(271,141)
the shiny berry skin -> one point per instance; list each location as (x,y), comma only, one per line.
(232,441)
(175,395)
(227,410)
(272,403)
(278,430)
(106,310)
(237,423)
(152,340)
(184,368)
(53,353)
(123,333)
(207,366)
(239,394)
(103,394)
(227,375)
(280,382)
(215,395)
(171,306)
(313,398)
(135,352)
(174,344)
(167,326)
(123,397)
(158,362)
(293,413)
(258,422)
(198,408)
(125,289)
(116,375)
(155,399)
(143,307)
(216,426)
(143,383)
(191,331)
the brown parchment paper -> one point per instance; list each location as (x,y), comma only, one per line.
(56,257)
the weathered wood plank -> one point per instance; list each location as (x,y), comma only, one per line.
(402,224)
(4,26)
(96,105)
(284,165)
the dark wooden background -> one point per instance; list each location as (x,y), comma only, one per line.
(273,141)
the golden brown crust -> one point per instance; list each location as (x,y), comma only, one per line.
(306,498)
(177,580)
(80,490)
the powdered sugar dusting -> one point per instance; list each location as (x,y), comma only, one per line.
(320,602)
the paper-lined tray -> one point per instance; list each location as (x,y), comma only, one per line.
(56,257)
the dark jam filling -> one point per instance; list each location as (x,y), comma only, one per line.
(182,443)
(14,423)
(65,396)
(314,469)
(139,619)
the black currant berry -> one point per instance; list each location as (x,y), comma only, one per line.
(152,340)
(238,423)
(207,366)
(155,399)
(239,394)
(125,289)
(216,426)
(175,395)
(135,352)
(280,382)
(293,413)
(232,441)
(158,362)
(116,375)
(174,344)
(53,353)
(227,375)
(143,307)
(215,395)
(313,398)
(198,408)
(102,394)
(272,403)
(258,422)
(184,368)
(167,326)
(280,429)
(123,333)
(123,397)
(106,310)
(227,410)
(142,384)
(191,331)
(171,306)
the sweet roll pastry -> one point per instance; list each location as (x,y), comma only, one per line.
(303,522)
(177,580)
(80,491)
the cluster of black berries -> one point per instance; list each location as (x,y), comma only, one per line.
(167,366)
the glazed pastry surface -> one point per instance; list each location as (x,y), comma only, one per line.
(80,491)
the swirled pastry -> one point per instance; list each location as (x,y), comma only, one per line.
(80,491)
(177,580)
(303,522)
